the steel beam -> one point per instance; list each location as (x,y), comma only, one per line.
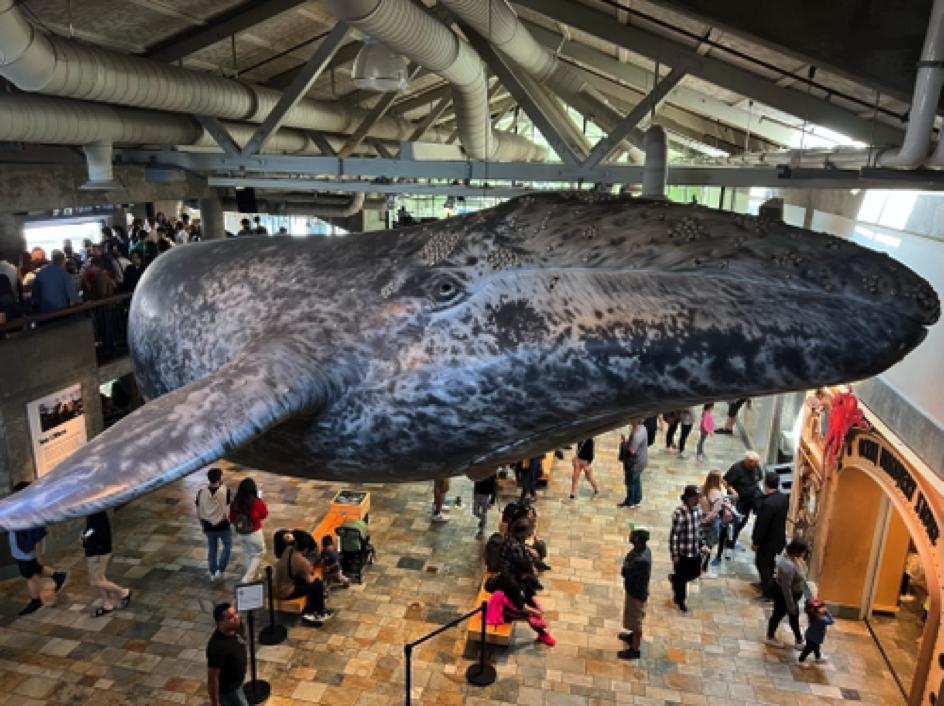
(605,147)
(220,134)
(367,167)
(720,73)
(381,148)
(683,97)
(344,55)
(530,96)
(431,117)
(375,114)
(323,144)
(297,91)
(225,25)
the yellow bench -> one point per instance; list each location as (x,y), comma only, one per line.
(494,634)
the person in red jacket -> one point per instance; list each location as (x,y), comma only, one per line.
(247,513)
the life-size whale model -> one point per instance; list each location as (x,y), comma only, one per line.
(453,347)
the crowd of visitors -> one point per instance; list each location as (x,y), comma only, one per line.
(35,284)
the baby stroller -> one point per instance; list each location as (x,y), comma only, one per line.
(355,548)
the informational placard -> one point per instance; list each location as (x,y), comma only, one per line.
(57,427)
(250,596)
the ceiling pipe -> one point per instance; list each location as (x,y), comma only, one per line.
(498,23)
(914,150)
(655,171)
(55,66)
(416,34)
(98,155)
(311,208)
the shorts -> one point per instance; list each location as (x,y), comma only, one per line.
(30,568)
(634,612)
(583,465)
(96,568)
(441,485)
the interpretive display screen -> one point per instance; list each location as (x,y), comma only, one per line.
(349,497)
(57,427)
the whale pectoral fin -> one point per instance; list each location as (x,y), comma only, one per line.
(172,436)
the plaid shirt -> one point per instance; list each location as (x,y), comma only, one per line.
(686,538)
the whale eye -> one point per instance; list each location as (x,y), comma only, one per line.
(445,290)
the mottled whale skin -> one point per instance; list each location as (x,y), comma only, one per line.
(452,347)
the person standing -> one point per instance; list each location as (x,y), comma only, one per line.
(440,490)
(96,540)
(52,287)
(247,513)
(484,493)
(741,481)
(227,659)
(770,531)
(26,546)
(246,228)
(213,503)
(733,409)
(685,545)
(258,228)
(820,619)
(786,594)
(634,453)
(636,572)
(687,419)
(583,463)
(712,505)
(707,428)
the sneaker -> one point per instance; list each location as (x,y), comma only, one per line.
(214,577)
(701,457)
(729,553)
(60,577)
(623,504)
(326,616)
(741,547)
(32,607)
(716,562)
(822,660)
(313,619)
(682,607)
(439,517)
(625,636)
(480,534)
(547,640)
(799,645)
(629,654)
(541,566)
(633,507)
(682,457)
(774,642)
(804,665)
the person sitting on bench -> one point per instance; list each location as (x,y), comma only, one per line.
(294,578)
(331,564)
(511,600)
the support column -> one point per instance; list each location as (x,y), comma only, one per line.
(211,218)
(12,240)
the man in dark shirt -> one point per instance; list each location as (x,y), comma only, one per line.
(53,288)
(636,572)
(741,481)
(770,530)
(227,659)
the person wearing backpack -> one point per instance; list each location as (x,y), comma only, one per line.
(26,546)
(213,503)
(247,513)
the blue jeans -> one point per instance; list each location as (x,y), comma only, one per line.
(226,537)
(633,480)
(234,698)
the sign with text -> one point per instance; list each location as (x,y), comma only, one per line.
(57,427)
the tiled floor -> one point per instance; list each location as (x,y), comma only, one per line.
(427,575)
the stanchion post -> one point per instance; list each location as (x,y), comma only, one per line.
(273,634)
(482,674)
(256,691)
(408,652)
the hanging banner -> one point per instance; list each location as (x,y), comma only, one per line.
(57,427)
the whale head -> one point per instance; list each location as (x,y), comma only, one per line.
(455,346)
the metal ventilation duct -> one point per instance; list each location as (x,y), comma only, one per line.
(298,207)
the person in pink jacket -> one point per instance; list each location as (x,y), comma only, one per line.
(707,428)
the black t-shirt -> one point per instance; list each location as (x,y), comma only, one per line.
(99,543)
(585,450)
(228,654)
(743,480)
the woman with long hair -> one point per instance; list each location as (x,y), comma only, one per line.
(712,505)
(247,512)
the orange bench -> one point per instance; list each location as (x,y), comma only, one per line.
(494,634)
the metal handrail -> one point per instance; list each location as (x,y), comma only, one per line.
(25,321)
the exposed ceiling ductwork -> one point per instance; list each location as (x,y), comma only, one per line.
(422,38)
(298,205)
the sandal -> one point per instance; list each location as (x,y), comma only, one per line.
(102,610)
(125,602)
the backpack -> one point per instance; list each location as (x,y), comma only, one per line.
(493,553)
(242,524)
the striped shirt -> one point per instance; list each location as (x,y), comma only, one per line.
(685,539)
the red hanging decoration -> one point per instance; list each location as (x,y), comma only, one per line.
(844,415)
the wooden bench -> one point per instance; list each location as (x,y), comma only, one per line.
(494,634)
(546,464)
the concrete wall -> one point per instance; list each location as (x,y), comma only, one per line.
(32,366)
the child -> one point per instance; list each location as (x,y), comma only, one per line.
(707,428)
(819,618)
(483,498)
(331,565)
